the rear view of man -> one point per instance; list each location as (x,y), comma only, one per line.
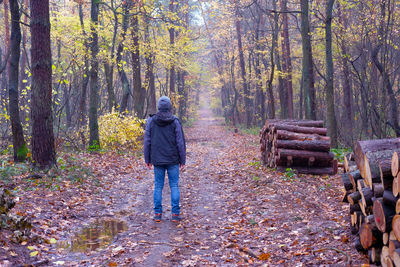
(165,148)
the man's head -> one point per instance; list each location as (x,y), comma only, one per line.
(164,104)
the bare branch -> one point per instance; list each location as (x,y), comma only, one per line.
(4,65)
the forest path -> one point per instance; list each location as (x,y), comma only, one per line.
(235,212)
(198,238)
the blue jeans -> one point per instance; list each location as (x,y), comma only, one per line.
(173,179)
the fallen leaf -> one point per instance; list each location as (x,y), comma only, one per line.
(178,238)
(34,253)
(264,256)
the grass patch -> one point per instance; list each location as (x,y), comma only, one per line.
(251,131)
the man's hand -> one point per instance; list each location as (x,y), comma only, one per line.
(182,167)
(149,165)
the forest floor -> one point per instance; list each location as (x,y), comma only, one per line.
(235,212)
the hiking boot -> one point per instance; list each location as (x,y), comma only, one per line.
(176,218)
(157,217)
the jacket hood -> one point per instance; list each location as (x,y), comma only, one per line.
(163,118)
(164,104)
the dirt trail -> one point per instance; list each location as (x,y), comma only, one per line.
(147,243)
(234,212)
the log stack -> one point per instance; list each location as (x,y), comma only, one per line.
(302,145)
(372,190)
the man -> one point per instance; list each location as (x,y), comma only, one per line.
(165,148)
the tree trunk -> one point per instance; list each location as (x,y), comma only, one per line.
(286,58)
(109,67)
(394,121)
(23,76)
(109,75)
(259,101)
(307,70)
(139,93)
(94,140)
(85,76)
(313,145)
(126,90)
(19,145)
(347,87)
(149,73)
(43,148)
(330,94)
(172,72)
(3,67)
(247,100)
(182,88)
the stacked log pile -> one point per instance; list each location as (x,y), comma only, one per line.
(372,190)
(302,145)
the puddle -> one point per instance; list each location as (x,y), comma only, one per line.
(96,236)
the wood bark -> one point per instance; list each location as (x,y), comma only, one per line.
(43,149)
(361,148)
(330,94)
(307,66)
(149,74)
(139,93)
(316,171)
(19,145)
(389,199)
(171,30)
(94,139)
(286,58)
(354,197)
(304,154)
(85,77)
(347,85)
(313,145)
(354,176)
(302,123)
(259,101)
(374,255)
(126,90)
(286,135)
(299,129)
(245,86)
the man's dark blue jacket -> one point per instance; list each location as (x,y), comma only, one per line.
(164,140)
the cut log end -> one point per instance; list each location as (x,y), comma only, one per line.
(395,163)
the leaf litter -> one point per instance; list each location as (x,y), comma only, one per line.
(235,212)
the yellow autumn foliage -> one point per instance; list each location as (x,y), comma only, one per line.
(119,132)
